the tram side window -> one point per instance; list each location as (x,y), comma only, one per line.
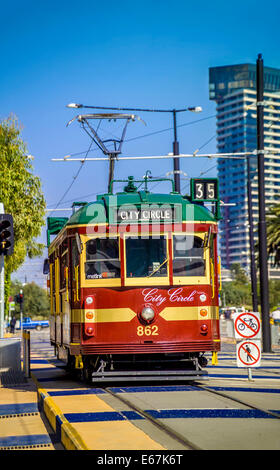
(75,257)
(102,258)
(188,256)
(63,267)
(146,257)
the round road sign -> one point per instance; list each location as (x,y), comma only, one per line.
(249,353)
(247,325)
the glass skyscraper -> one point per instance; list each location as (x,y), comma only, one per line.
(234,90)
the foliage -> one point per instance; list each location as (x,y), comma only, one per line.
(273,233)
(238,274)
(239,292)
(36,299)
(21,194)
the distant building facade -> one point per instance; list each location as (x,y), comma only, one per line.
(234,90)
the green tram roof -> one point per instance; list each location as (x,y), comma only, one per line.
(101,210)
(104,209)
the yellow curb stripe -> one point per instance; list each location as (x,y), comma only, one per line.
(69,436)
(71,439)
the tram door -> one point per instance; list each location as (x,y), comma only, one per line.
(74,289)
(65,311)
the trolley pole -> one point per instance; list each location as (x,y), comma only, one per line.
(262,222)
(176,162)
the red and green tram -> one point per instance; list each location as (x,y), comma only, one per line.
(134,286)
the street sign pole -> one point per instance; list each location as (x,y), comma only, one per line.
(2,296)
(247,331)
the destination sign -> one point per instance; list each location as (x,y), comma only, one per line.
(147,214)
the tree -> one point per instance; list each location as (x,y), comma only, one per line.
(273,233)
(36,299)
(238,273)
(21,194)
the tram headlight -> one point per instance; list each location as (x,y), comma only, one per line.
(147,314)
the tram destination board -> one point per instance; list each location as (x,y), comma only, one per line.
(205,189)
(148,213)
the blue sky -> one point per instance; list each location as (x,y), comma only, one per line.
(152,54)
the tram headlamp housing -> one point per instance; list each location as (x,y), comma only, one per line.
(147,314)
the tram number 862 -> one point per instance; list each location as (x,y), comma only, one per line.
(147,330)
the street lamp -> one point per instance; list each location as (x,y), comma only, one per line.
(176,164)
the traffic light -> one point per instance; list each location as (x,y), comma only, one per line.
(6,234)
(19,300)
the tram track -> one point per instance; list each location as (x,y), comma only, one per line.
(189,445)
(179,437)
(237,400)
(177,415)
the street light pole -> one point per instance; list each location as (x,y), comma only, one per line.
(262,222)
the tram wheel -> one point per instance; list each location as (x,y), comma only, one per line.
(87,371)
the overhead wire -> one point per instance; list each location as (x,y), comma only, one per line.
(151,133)
(126,140)
(73,181)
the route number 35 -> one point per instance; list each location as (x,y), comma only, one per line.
(147,330)
(204,189)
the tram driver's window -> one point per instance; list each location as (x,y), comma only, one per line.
(188,257)
(146,256)
(102,258)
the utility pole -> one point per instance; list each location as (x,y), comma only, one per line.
(251,239)
(262,222)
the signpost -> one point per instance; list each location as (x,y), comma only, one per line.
(247,330)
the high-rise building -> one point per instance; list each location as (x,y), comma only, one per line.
(234,90)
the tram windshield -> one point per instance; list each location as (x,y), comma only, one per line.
(146,256)
(188,256)
(102,258)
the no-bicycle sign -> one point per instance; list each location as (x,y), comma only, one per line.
(247,325)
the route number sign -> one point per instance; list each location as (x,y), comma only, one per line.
(205,189)
(247,325)
(248,353)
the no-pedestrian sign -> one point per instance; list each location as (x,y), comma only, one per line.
(247,325)
(248,353)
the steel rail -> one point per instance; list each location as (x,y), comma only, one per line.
(163,427)
(237,400)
